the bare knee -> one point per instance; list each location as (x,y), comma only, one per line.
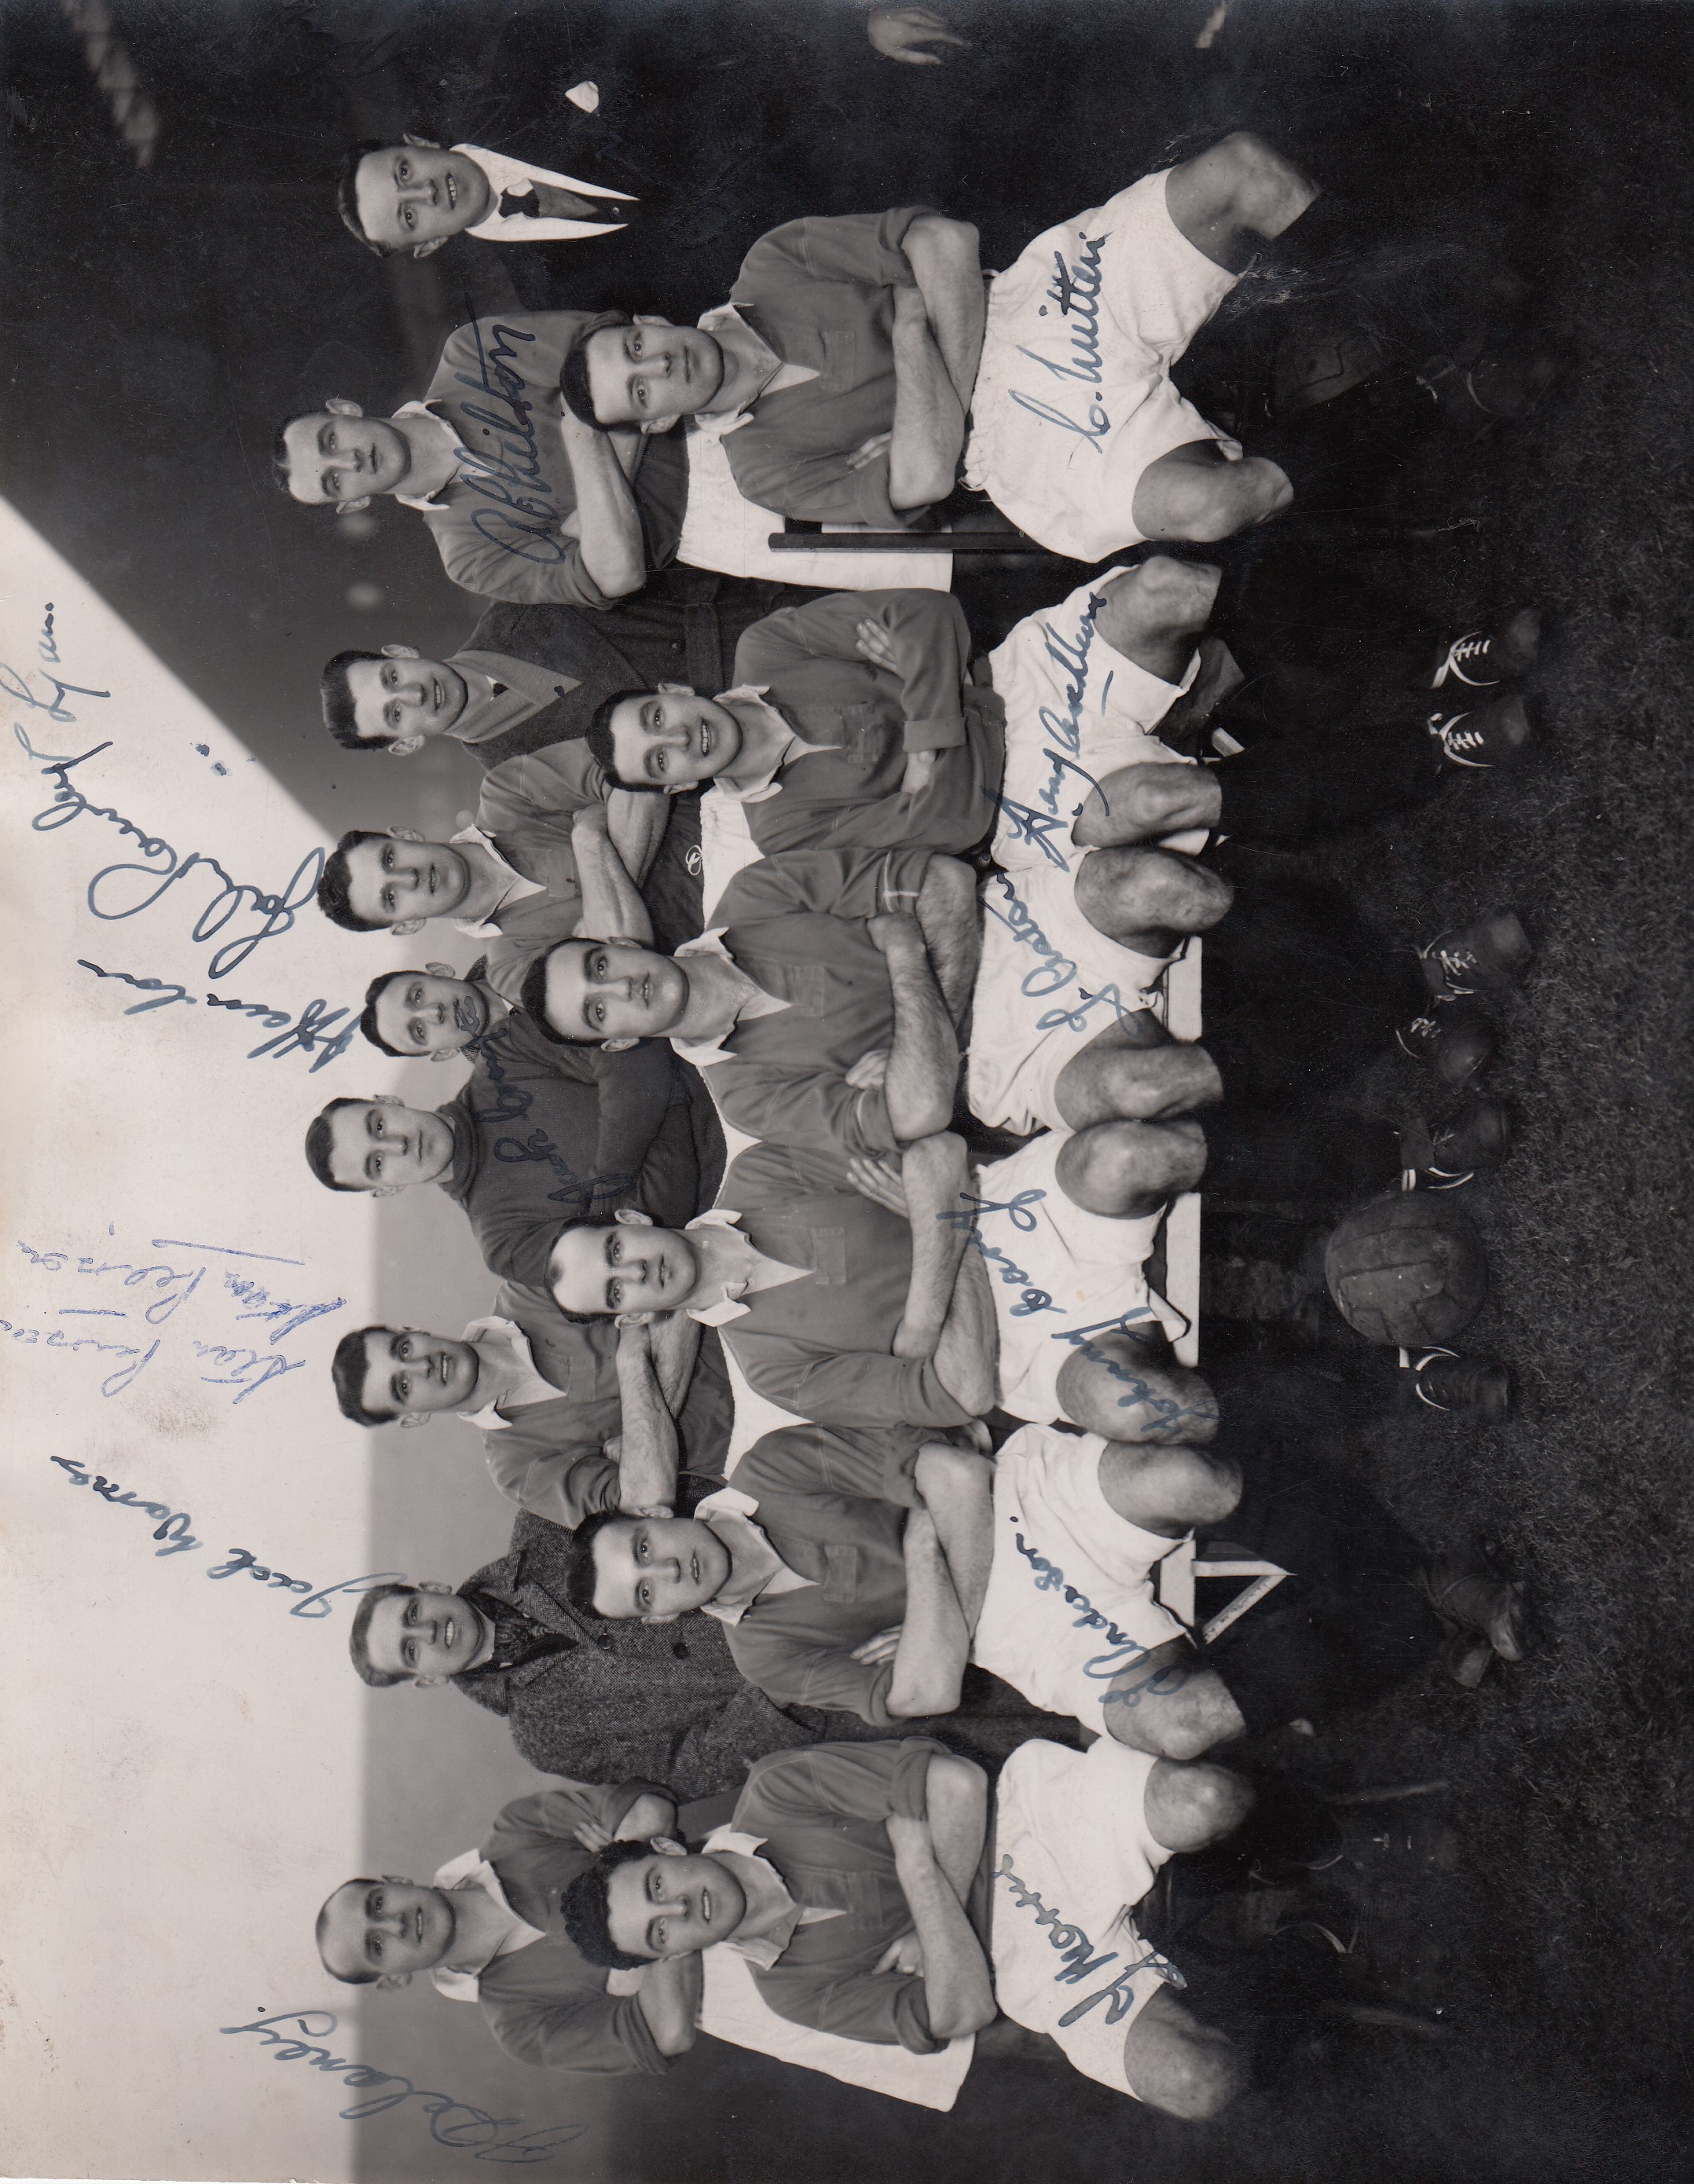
(1197,2079)
(1135,890)
(1190,1805)
(1205,502)
(1115,1385)
(1161,597)
(1124,1169)
(1166,1705)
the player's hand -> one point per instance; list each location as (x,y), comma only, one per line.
(592,819)
(901,34)
(867,450)
(896,933)
(875,1650)
(877,644)
(870,1073)
(905,1955)
(878,1179)
(593,1836)
(632,1331)
(920,772)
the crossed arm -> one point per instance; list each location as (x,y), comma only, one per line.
(948,1547)
(656,1360)
(935,1860)
(937,339)
(613,844)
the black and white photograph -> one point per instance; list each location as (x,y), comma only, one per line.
(849,956)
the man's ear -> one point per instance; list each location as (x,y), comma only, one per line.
(667,1846)
(428,1683)
(387,1191)
(441,970)
(617,1045)
(429,249)
(632,1217)
(433,1584)
(403,746)
(406,927)
(392,1099)
(404,834)
(395,1979)
(414,1419)
(400,652)
(448,1054)
(339,406)
(353,507)
(652,424)
(676,689)
(423,143)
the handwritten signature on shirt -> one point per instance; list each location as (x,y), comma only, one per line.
(1078,1950)
(526,522)
(452,2122)
(1122,1652)
(1076,290)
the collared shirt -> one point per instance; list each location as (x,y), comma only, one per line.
(461,455)
(517,688)
(485,929)
(502,1345)
(765,1949)
(777,378)
(767,1273)
(518,177)
(472,1870)
(756,1570)
(702,1051)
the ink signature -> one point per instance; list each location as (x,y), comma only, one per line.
(298,1035)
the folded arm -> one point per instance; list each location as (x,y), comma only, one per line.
(947,266)
(612,907)
(923,1073)
(608,518)
(956,1488)
(934,1640)
(928,416)
(958,1992)
(647,1470)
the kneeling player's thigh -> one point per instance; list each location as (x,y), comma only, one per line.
(1175,2063)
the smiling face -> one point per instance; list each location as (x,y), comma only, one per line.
(670,1905)
(409,194)
(651,373)
(673,738)
(613,989)
(385,1929)
(423,1633)
(631,1267)
(420,1012)
(401,696)
(334,457)
(652,1569)
(407,1370)
(389,880)
(377,1144)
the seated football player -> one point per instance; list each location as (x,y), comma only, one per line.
(852,724)
(596,1705)
(852,1291)
(598,1131)
(857,1881)
(575,1417)
(488,1929)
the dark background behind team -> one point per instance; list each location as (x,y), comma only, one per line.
(160,324)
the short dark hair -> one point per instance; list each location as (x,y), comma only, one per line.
(598,736)
(337,703)
(367,1022)
(347,1370)
(347,1979)
(279,448)
(577,1220)
(346,195)
(579,1569)
(358,1639)
(585,1907)
(320,1145)
(573,376)
(532,1001)
(333,881)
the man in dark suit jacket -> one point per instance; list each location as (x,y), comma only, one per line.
(596,1701)
(529,676)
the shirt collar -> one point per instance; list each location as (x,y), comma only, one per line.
(703,1052)
(503,1346)
(755,1569)
(767,1274)
(461,456)
(779,377)
(763,1951)
(472,1870)
(767,785)
(518,890)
